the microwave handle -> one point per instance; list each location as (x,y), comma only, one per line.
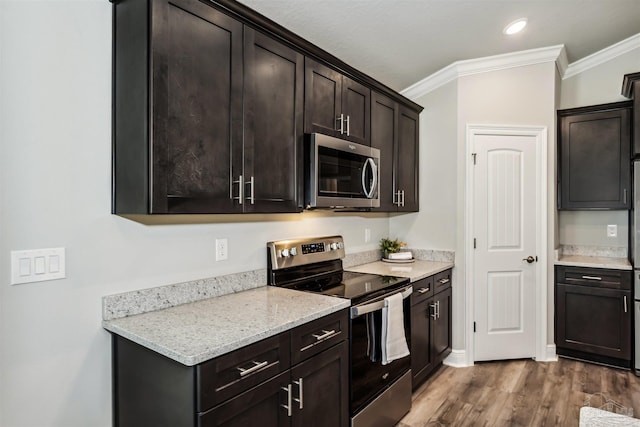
(374,171)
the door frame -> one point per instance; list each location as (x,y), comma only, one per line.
(540,134)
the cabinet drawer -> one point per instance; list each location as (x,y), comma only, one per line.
(422,289)
(318,335)
(228,375)
(442,281)
(594,277)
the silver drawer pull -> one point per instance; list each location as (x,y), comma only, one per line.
(257,366)
(443,281)
(434,315)
(625,304)
(324,335)
(423,290)
(592,278)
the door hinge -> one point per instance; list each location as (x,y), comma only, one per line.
(474,326)
(474,243)
(474,157)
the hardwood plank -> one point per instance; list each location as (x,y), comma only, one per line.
(518,393)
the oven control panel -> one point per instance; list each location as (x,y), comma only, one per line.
(291,253)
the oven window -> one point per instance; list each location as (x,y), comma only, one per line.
(369,376)
(340,173)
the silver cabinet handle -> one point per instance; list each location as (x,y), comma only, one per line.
(251,184)
(324,335)
(257,366)
(374,171)
(341,120)
(350,135)
(443,281)
(402,198)
(438,308)
(423,290)
(592,278)
(434,315)
(625,304)
(300,398)
(288,406)
(240,183)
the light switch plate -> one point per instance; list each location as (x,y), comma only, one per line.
(37,265)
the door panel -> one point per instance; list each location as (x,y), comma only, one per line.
(356,104)
(197,107)
(384,115)
(323,92)
(407,166)
(274,76)
(504,223)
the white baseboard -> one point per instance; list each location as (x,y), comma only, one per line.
(551,355)
(457,359)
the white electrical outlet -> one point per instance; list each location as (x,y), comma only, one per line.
(367,235)
(612,230)
(37,265)
(222,249)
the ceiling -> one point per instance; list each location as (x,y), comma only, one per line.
(400,42)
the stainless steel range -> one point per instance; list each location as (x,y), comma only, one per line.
(380,390)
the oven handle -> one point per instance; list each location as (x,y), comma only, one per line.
(359,310)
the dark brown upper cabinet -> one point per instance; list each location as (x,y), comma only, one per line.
(335,104)
(594,152)
(183,140)
(631,90)
(394,131)
(272,155)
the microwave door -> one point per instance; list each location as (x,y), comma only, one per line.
(369,190)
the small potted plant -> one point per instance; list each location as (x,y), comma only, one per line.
(388,246)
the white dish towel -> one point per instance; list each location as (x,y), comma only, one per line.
(394,343)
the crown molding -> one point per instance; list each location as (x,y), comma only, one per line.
(602,56)
(482,65)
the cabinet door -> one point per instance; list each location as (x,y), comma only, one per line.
(197,106)
(273,138)
(595,158)
(321,389)
(441,335)
(407,164)
(422,362)
(356,106)
(323,98)
(384,128)
(261,406)
(594,320)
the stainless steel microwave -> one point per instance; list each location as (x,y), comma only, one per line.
(340,174)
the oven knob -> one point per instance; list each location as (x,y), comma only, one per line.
(293,252)
(340,245)
(334,246)
(285,253)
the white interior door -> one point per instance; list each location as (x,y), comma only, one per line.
(504,225)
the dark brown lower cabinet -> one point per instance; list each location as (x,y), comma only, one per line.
(260,385)
(593,315)
(317,393)
(430,325)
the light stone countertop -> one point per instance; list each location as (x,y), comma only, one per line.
(594,262)
(415,271)
(196,332)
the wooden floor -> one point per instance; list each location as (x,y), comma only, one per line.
(518,393)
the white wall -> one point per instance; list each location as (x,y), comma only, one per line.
(598,85)
(55,172)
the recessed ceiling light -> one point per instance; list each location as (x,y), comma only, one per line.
(515,27)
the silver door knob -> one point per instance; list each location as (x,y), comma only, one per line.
(530,259)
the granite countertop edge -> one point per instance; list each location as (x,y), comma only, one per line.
(133,328)
(417,270)
(594,262)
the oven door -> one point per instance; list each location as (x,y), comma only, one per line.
(341,174)
(369,377)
